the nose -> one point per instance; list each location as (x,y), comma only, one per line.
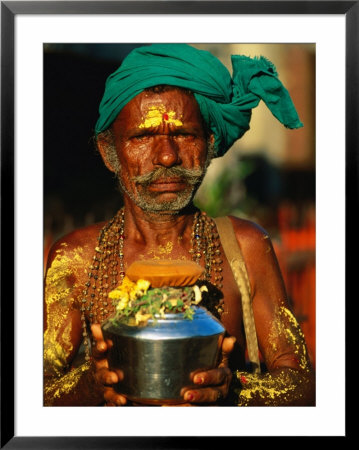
(166,153)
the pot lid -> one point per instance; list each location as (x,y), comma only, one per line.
(164,272)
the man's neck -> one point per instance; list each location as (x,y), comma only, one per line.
(156,228)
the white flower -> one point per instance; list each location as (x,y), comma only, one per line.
(198,293)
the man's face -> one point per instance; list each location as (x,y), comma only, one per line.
(162,149)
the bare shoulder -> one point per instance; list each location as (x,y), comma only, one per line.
(249,234)
(82,240)
(259,256)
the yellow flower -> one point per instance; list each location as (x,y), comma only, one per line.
(116,294)
(127,291)
(142,318)
(122,304)
(133,294)
(127,284)
(143,285)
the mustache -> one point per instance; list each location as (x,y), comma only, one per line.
(191,176)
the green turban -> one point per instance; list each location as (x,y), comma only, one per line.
(225,102)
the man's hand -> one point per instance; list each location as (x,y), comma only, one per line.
(103,375)
(213,385)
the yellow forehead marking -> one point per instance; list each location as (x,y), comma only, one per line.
(158,114)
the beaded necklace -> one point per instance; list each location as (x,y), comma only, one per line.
(107,270)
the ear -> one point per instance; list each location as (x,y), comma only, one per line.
(103,147)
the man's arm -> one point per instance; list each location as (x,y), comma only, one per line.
(290,377)
(64,385)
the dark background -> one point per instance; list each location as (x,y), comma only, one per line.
(78,189)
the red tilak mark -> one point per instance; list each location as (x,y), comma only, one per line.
(244,379)
(165,116)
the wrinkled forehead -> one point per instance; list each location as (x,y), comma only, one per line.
(150,108)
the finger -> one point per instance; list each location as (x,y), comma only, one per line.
(205,395)
(227,348)
(100,363)
(212,377)
(109,343)
(106,377)
(99,350)
(119,373)
(97,332)
(111,396)
(101,345)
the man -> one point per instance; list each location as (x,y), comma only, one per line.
(166,112)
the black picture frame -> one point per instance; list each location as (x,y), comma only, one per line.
(9,10)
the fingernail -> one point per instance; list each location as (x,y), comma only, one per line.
(189,397)
(244,379)
(199,380)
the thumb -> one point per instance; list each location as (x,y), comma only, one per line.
(227,348)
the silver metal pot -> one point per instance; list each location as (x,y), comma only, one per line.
(159,358)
